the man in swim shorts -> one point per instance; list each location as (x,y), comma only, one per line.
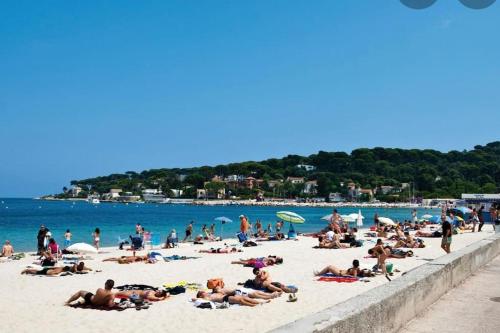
(52,271)
(221,298)
(103,297)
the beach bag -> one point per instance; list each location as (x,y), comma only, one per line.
(214,283)
(241,237)
(177,290)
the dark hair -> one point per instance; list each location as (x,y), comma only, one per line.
(66,269)
(163,293)
(52,241)
(355,229)
(199,294)
(67,230)
(335,211)
(97,231)
(355,263)
(320,238)
(256,270)
(370,251)
(109,284)
(279,260)
(407,233)
(379,241)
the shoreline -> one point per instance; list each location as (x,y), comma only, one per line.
(271,203)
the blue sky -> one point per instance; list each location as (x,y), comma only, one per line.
(89,88)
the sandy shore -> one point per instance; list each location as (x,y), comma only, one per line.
(31,303)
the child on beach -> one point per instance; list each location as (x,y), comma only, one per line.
(67,238)
(97,237)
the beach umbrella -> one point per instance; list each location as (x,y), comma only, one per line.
(223,220)
(459,219)
(327,217)
(359,219)
(82,248)
(292,218)
(437,219)
(386,221)
(426,216)
(347,218)
(463,210)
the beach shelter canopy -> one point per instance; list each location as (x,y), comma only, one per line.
(223,219)
(290,217)
(462,210)
(386,221)
(82,248)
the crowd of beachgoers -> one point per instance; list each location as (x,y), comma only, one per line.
(385,239)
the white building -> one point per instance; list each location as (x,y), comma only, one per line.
(310,187)
(75,191)
(306,167)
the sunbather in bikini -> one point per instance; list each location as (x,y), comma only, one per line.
(221,250)
(259,262)
(128,259)
(52,271)
(149,295)
(353,271)
(407,242)
(103,297)
(221,298)
(436,234)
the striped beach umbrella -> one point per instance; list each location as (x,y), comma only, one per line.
(290,217)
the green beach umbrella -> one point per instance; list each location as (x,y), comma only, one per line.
(290,217)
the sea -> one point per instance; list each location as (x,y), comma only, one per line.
(20,219)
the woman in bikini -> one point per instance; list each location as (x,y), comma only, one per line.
(220,250)
(259,262)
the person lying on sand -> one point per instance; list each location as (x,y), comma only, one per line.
(259,262)
(324,243)
(253,294)
(129,259)
(263,280)
(437,234)
(148,295)
(221,298)
(220,250)
(103,297)
(51,271)
(353,271)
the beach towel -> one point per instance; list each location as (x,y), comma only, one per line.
(94,307)
(177,257)
(335,278)
(136,287)
(187,285)
(204,304)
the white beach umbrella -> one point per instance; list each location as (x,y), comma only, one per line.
(327,217)
(348,218)
(386,221)
(82,248)
(426,216)
(359,219)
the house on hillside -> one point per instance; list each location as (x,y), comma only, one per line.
(306,167)
(295,180)
(310,187)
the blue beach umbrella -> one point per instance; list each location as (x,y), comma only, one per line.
(223,220)
(437,219)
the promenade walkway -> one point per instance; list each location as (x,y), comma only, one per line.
(474,306)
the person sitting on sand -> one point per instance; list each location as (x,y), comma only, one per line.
(408,241)
(103,297)
(148,295)
(353,271)
(263,280)
(381,254)
(382,232)
(52,271)
(221,298)
(7,249)
(259,262)
(253,294)
(220,250)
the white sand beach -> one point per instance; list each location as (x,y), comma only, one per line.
(34,303)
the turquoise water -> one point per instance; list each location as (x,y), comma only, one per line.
(20,219)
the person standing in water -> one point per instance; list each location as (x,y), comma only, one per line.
(67,238)
(41,238)
(189,231)
(97,237)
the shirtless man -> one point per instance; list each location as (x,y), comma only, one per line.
(263,280)
(7,249)
(103,297)
(221,298)
(381,253)
(353,271)
(407,242)
(51,271)
(148,295)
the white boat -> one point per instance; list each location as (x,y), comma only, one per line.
(94,201)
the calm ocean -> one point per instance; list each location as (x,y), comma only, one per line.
(21,218)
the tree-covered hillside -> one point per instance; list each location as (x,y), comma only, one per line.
(431,173)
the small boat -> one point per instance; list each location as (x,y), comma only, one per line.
(95,201)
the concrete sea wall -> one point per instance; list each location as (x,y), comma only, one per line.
(387,308)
